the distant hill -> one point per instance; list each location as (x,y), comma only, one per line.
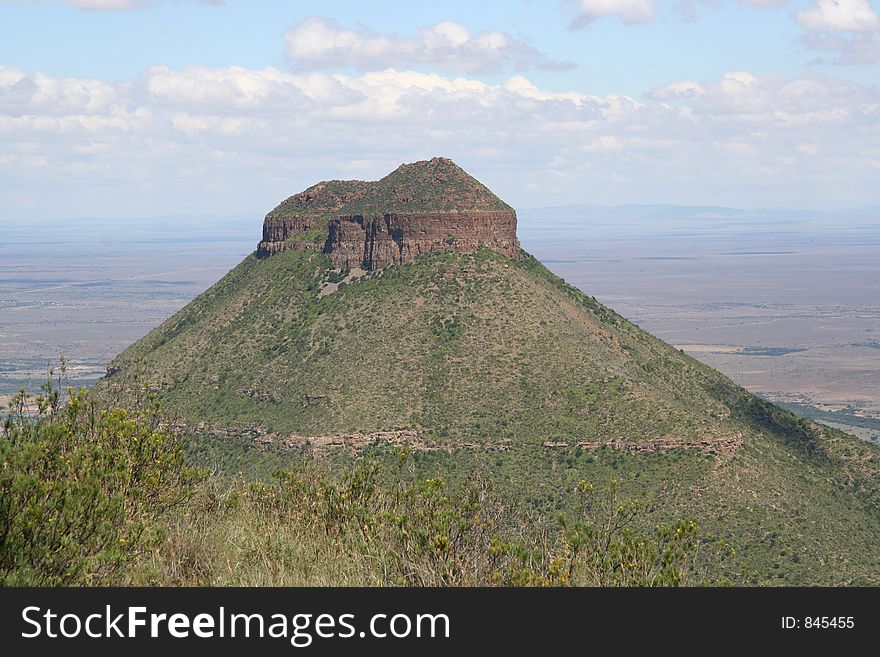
(479,356)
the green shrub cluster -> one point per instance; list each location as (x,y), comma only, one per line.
(82,489)
(315,236)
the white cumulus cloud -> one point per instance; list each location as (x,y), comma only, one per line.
(235,89)
(839,16)
(630,12)
(48,95)
(318,42)
(848,29)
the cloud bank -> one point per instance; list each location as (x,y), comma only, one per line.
(200,139)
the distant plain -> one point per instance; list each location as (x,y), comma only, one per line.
(785,303)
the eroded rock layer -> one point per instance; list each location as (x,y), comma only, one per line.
(422,207)
(356,241)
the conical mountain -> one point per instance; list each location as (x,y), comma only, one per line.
(404,308)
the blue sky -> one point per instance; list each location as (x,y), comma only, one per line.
(136,108)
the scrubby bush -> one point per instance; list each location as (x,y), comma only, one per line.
(361,526)
(604,549)
(82,488)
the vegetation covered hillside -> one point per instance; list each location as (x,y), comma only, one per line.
(457,348)
(95,495)
(486,364)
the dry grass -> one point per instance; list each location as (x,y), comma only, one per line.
(311,530)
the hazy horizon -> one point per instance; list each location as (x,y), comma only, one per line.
(868,211)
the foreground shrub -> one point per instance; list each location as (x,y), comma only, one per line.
(82,489)
(362,526)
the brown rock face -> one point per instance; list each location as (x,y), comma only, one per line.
(279,229)
(355,241)
(279,234)
(419,208)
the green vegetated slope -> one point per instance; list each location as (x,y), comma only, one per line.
(469,348)
(474,351)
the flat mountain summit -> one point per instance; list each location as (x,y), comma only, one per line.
(404,311)
(438,184)
(427,206)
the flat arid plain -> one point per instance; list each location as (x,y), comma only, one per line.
(785,303)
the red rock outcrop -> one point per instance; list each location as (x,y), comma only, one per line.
(419,208)
(279,233)
(356,241)
(279,229)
